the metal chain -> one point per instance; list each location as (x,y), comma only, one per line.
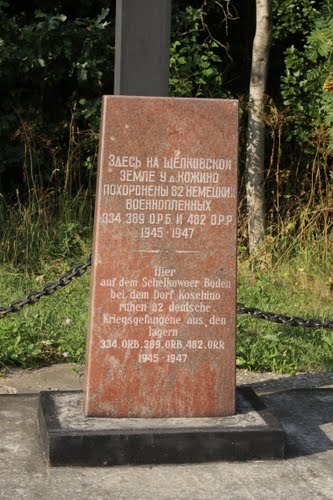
(48,289)
(81,268)
(282,318)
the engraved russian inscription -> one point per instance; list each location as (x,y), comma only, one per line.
(162,315)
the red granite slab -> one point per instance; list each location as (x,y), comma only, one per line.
(161,339)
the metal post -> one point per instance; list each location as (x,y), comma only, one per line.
(142,49)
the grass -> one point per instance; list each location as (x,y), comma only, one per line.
(50,331)
(54,330)
(35,235)
(39,242)
(51,232)
(293,289)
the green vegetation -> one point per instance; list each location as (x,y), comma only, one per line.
(51,228)
(308,81)
(54,329)
(195,61)
(49,122)
(299,287)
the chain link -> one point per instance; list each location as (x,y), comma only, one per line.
(48,289)
(282,318)
(66,278)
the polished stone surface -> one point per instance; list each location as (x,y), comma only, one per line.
(163,299)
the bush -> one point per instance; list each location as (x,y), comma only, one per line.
(307,87)
(53,69)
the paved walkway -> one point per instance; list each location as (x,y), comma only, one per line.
(303,404)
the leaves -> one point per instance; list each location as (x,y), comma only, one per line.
(306,71)
(48,62)
(292,17)
(195,58)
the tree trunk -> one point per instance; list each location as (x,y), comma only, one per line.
(255,148)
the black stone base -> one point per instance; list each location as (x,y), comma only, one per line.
(68,438)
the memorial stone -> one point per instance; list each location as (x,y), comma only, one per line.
(161,342)
(161,339)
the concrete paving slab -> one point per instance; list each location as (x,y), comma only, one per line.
(64,376)
(70,376)
(306,474)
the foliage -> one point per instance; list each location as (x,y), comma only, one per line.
(44,83)
(195,59)
(51,91)
(306,86)
(293,17)
(298,177)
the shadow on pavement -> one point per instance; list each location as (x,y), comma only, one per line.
(299,381)
(304,407)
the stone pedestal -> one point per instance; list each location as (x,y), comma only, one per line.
(68,438)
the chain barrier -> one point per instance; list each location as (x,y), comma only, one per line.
(66,278)
(48,289)
(282,318)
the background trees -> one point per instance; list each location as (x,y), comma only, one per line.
(56,60)
(255,144)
